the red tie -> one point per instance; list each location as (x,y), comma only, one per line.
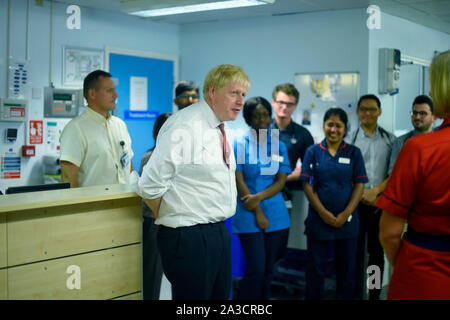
(225,146)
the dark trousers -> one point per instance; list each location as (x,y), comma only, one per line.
(151,261)
(197,261)
(261,251)
(368,245)
(317,267)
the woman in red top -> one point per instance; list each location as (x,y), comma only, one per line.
(418,193)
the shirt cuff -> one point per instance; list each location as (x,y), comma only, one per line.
(71,160)
(388,204)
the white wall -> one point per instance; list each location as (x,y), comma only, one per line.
(411,39)
(272,49)
(99,28)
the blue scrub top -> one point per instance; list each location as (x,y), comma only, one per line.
(259,167)
(333,178)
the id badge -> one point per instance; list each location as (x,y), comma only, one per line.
(277,158)
(124,160)
(288,204)
(344,160)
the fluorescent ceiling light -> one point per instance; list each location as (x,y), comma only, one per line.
(200,7)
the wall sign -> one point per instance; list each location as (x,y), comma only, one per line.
(36,131)
(78,63)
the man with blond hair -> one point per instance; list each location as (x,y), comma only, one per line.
(189,183)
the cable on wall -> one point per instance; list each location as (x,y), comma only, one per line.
(51,47)
(9,44)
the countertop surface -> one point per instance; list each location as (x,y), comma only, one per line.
(53,198)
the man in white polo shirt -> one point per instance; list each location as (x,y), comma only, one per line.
(96,146)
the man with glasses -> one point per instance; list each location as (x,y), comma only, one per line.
(376,145)
(186,93)
(422,119)
(297,139)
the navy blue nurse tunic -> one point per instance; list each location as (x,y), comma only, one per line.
(332,178)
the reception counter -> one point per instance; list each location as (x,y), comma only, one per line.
(82,243)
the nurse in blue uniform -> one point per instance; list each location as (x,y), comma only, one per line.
(262,220)
(333,175)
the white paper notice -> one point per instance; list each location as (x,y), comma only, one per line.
(138,93)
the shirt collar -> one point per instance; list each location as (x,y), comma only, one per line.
(375,133)
(446,123)
(97,116)
(251,138)
(323,145)
(211,117)
(288,129)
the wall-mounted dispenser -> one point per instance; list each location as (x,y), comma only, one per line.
(389,71)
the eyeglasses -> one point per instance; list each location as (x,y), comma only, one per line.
(370,110)
(287,104)
(187,96)
(419,113)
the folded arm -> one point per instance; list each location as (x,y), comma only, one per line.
(252,200)
(244,192)
(314,200)
(342,217)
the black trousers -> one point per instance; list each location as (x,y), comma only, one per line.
(344,262)
(197,261)
(369,230)
(151,261)
(261,250)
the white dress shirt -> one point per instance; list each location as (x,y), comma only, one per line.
(93,143)
(188,171)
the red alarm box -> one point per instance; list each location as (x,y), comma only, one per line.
(28,151)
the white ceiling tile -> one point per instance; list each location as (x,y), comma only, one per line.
(432,13)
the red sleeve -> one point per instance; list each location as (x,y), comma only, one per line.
(403,184)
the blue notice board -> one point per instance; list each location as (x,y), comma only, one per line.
(160,82)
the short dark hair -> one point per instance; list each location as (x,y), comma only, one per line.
(424,99)
(370,96)
(159,123)
(337,112)
(185,85)
(287,88)
(91,81)
(250,106)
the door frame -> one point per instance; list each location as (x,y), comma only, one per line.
(144,54)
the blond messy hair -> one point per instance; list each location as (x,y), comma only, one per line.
(224,74)
(440,84)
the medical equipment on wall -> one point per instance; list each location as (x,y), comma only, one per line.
(389,71)
(10,135)
(13,110)
(52,168)
(62,103)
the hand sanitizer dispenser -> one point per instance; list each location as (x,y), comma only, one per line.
(389,71)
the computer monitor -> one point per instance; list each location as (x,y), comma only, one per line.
(38,187)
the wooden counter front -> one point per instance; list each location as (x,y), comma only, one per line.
(45,234)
